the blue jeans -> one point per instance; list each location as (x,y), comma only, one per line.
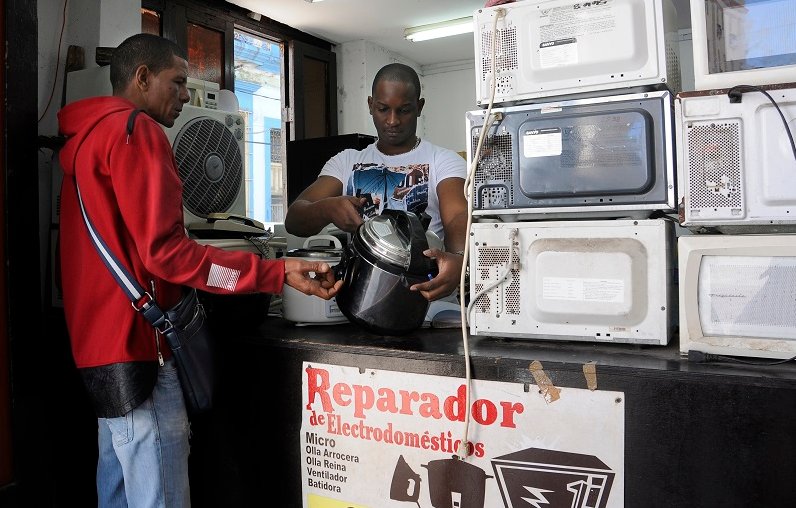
(143,455)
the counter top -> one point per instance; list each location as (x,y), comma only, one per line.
(447,344)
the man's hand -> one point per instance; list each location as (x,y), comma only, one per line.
(345,212)
(449,266)
(298,274)
(322,203)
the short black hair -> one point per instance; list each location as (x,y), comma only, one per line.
(151,50)
(397,72)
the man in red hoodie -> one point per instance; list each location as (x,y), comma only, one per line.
(130,187)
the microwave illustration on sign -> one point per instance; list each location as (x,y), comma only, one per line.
(737,294)
(562,478)
(743,42)
(736,162)
(544,48)
(589,281)
(606,156)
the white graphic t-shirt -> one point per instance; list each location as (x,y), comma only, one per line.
(407,181)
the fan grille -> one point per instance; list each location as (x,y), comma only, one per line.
(210,165)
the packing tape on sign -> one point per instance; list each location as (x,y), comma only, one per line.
(590,373)
(546,387)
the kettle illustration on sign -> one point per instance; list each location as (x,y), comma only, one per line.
(452,483)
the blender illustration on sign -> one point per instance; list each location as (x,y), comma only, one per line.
(532,477)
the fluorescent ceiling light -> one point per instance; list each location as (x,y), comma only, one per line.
(442,29)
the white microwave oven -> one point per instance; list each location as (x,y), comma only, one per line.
(544,48)
(595,157)
(736,163)
(737,294)
(607,281)
(743,42)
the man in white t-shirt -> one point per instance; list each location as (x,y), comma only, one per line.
(399,171)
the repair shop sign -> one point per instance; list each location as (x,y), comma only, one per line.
(377,438)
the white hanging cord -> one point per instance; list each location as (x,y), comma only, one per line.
(462,450)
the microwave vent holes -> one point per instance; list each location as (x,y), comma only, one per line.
(672,48)
(493,177)
(505,51)
(714,160)
(490,265)
(483,303)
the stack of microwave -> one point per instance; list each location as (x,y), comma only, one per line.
(574,184)
(737,181)
(609,205)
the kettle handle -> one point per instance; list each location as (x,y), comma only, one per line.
(331,238)
(418,263)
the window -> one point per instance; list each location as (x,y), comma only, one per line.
(258,86)
(206,54)
(315,86)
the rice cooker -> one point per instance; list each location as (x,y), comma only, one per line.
(454,482)
(381,262)
(305,309)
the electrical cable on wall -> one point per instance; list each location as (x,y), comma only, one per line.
(57,60)
(469,195)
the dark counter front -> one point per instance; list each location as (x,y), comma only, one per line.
(696,435)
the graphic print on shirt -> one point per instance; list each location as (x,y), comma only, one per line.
(397,188)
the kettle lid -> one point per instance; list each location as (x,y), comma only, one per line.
(385,241)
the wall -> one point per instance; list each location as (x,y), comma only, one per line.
(357,65)
(89,23)
(352,89)
(449,90)
(86,23)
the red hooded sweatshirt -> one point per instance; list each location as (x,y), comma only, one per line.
(133,195)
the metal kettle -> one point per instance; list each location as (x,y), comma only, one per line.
(383,259)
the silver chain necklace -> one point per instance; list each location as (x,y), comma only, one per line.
(417,143)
